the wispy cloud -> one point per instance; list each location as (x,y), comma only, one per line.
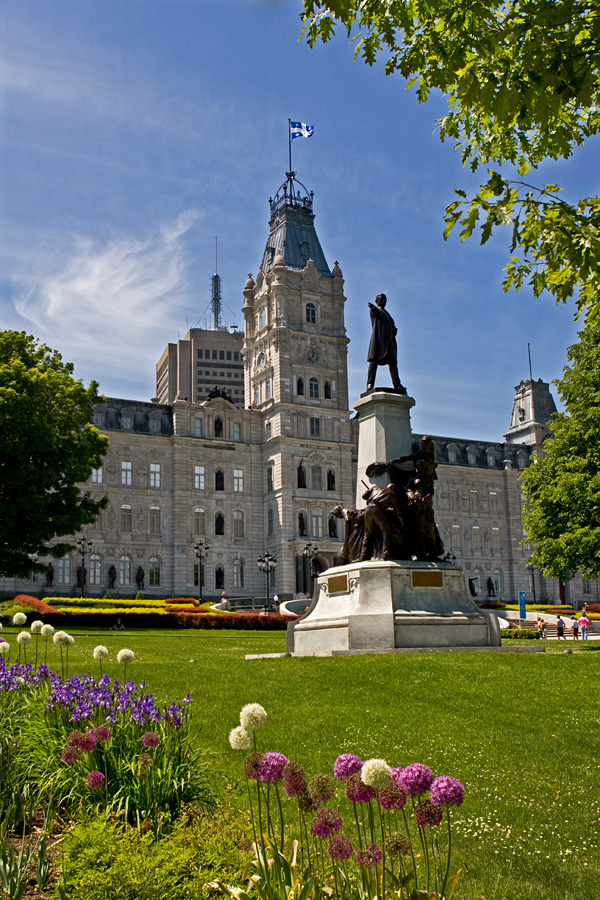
(112,302)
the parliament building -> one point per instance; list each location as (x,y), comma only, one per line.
(250,442)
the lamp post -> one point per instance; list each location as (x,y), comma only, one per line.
(266,564)
(309,553)
(201,550)
(84,547)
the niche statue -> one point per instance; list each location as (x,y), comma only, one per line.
(398,520)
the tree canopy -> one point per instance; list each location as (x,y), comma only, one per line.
(522,80)
(48,446)
(562,489)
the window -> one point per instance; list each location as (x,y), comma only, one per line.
(125,570)
(198,428)
(154,425)
(522,460)
(471,456)
(199,478)
(154,572)
(311,313)
(267,431)
(127,421)
(317,523)
(197,574)
(97,476)
(452,453)
(456,540)
(491,458)
(64,570)
(219,480)
(315,426)
(474,500)
(269,479)
(219,523)
(493,501)
(198,520)
(238,481)
(300,387)
(126,518)
(330,480)
(221,354)
(238,523)
(257,395)
(496,539)
(218,427)
(270,524)
(95,569)
(155,475)
(98,419)
(126,472)
(476,537)
(155,520)
(238,573)
(586,586)
(498,577)
(313,388)
(219,578)
(269,391)
(237,431)
(327,390)
(214,354)
(316,478)
(263,317)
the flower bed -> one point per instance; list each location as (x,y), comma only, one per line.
(241,621)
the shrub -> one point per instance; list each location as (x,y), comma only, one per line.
(491,604)
(239,622)
(182,600)
(139,595)
(527,634)
(32,604)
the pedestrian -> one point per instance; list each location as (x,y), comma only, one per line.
(277,604)
(584,624)
(575,628)
(541,627)
(560,628)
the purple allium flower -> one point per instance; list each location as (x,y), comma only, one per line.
(321,787)
(103,734)
(370,856)
(346,765)
(95,780)
(73,739)
(397,845)
(416,779)
(326,822)
(307,804)
(252,764)
(69,755)
(147,825)
(427,816)
(446,791)
(396,773)
(357,791)
(271,767)
(340,847)
(392,796)
(151,740)
(87,742)
(295,782)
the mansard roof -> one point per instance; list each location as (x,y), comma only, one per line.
(292,229)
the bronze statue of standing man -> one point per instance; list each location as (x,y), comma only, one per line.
(382,347)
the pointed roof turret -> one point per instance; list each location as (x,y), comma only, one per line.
(292,232)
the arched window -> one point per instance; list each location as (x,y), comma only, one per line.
(126,518)
(219,480)
(219,523)
(456,541)
(311,313)
(155,520)
(302,524)
(301,475)
(238,523)
(491,458)
(327,390)
(218,427)
(198,520)
(154,572)
(219,578)
(125,570)
(317,522)
(95,569)
(300,387)
(452,453)
(263,317)
(313,388)
(238,573)
(476,537)
(471,456)
(330,480)
(522,460)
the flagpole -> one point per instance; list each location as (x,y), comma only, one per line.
(290,143)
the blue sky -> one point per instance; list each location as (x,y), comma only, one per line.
(134,131)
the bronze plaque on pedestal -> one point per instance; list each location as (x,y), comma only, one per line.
(427,579)
(337,584)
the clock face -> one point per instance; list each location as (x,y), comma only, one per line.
(313,355)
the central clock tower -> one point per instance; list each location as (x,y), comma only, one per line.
(295,373)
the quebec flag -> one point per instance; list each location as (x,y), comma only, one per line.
(299,129)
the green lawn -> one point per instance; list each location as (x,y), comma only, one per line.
(521,731)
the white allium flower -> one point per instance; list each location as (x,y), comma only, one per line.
(36,626)
(125,656)
(19,619)
(47,631)
(4,647)
(100,652)
(62,639)
(253,716)
(240,739)
(376,773)
(23,637)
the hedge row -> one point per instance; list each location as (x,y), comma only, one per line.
(238,623)
(527,634)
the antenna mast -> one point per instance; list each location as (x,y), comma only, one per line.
(529,354)
(216,294)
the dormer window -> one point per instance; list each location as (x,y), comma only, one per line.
(127,421)
(304,251)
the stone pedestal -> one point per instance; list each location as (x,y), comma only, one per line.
(382,606)
(383,433)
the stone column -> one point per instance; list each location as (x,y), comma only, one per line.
(384,433)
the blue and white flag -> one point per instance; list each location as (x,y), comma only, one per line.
(299,129)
